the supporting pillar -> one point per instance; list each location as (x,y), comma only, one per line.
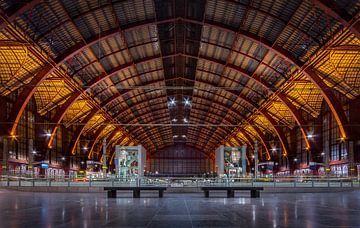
(104,166)
(256,158)
(243,160)
(141,160)
(5,156)
(31,157)
(219,162)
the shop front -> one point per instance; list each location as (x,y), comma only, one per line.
(339,168)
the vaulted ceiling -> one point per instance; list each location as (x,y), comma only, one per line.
(200,72)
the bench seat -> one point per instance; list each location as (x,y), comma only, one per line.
(254,191)
(136,190)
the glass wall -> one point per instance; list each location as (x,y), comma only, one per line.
(179,160)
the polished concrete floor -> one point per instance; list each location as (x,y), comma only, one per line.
(22,209)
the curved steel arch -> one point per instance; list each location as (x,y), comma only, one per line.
(218,136)
(165,108)
(88,117)
(95,139)
(293,111)
(241,142)
(79,130)
(282,97)
(266,115)
(247,138)
(272,121)
(310,73)
(261,136)
(330,98)
(202,98)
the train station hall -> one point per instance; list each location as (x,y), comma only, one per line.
(180,113)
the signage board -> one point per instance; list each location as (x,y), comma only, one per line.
(44,165)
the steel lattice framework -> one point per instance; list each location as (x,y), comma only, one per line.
(239,69)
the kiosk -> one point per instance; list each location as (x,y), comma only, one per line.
(129,161)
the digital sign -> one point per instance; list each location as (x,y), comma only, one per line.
(44,165)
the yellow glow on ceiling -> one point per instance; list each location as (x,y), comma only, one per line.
(76,112)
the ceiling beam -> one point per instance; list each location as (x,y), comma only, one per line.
(330,98)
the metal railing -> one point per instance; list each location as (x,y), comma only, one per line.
(283,182)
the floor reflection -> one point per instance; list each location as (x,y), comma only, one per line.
(341,209)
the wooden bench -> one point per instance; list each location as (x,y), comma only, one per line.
(254,191)
(136,190)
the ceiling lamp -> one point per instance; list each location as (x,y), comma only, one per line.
(187,101)
(172,102)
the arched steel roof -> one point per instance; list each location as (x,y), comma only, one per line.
(119,63)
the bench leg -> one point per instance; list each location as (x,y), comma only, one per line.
(206,193)
(111,194)
(136,193)
(230,193)
(254,194)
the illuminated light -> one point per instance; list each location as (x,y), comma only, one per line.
(342,139)
(253,156)
(85,148)
(322,154)
(310,136)
(172,102)
(175,136)
(44,165)
(295,159)
(185,120)
(13,136)
(82,162)
(187,102)
(63,158)
(48,134)
(183,136)
(273,149)
(34,152)
(174,120)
